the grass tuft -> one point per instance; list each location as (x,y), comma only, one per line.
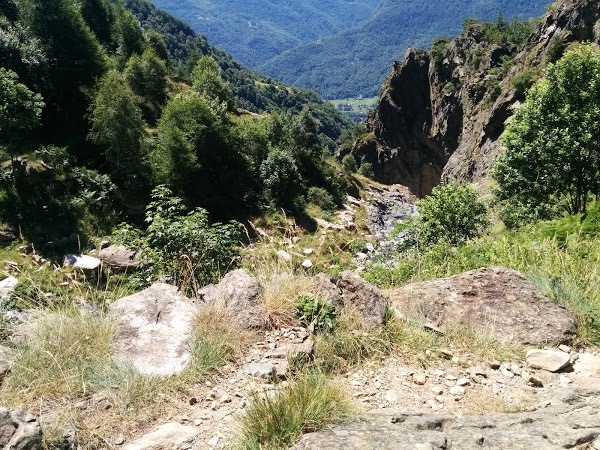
(310,403)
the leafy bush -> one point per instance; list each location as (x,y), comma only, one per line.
(349,163)
(281,177)
(184,245)
(316,314)
(320,197)
(524,81)
(452,214)
(366,170)
(552,156)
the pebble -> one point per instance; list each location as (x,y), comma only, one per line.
(419,378)
(564,348)
(214,441)
(457,390)
(506,372)
(437,390)
(463,382)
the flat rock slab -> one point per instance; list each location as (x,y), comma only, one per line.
(496,301)
(153,330)
(170,436)
(573,423)
(550,360)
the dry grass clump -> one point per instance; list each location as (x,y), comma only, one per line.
(282,291)
(476,402)
(310,403)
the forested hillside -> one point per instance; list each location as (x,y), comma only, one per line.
(355,62)
(99,105)
(254,31)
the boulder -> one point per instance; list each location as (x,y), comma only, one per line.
(570,422)
(550,360)
(496,301)
(83,262)
(6,287)
(362,297)
(119,257)
(153,330)
(165,437)
(8,236)
(241,295)
(19,430)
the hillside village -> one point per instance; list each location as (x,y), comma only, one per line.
(196,256)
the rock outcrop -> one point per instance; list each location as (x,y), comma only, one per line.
(572,421)
(440,115)
(350,292)
(153,330)
(19,430)
(241,295)
(498,301)
(119,257)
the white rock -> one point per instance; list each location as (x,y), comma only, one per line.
(7,286)
(587,365)
(564,348)
(393,396)
(307,264)
(265,371)
(463,382)
(308,251)
(457,390)
(550,360)
(83,262)
(437,390)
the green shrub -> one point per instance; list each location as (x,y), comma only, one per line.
(320,197)
(524,81)
(315,314)
(366,170)
(452,214)
(439,47)
(184,245)
(349,163)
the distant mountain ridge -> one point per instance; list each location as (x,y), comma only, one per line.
(255,31)
(355,62)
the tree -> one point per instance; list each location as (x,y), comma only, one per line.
(118,127)
(97,15)
(206,79)
(20,110)
(147,76)
(156,42)
(552,156)
(452,214)
(282,179)
(129,35)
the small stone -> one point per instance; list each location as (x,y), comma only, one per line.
(455,359)
(535,381)
(506,372)
(370,247)
(550,360)
(192,401)
(214,441)
(308,251)
(457,390)
(516,369)
(596,444)
(198,422)
(433,405)
(265,371)
(478,372)
(495,365)
(307,264)
(463,382)
(225,399)
(419,378)
(564,348)
(439,372)
(119,440)
(393,397)
(437,390)
(451,377)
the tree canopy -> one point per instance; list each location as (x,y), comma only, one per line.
(552,157)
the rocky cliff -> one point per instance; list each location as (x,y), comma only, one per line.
(441,113)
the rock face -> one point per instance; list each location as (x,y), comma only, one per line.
(440,116)
(239,293)
(571,422)
(19,431)
(496,300)
(166,437)
(119,257)
(350,292)
(153,328)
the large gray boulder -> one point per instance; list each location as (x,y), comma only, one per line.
(19,430)
(497,301)
(572,421)
(153,330)
(241,295)
(119,257)
(350,292)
